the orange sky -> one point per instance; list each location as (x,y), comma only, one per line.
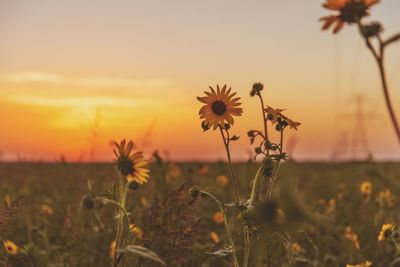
(140,66)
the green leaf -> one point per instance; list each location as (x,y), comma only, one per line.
(143,252)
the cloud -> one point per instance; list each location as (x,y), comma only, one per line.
(53,78)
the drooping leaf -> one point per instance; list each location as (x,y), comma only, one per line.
(143,252)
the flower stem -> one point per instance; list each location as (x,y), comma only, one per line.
(264,119)
(379,58)
(228,153)
(269,190)
(227,228)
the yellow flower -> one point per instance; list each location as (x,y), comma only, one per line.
(220,107)
(350,235)
(137,231)
(366,188)
(386,231)
(214,237)
(131,165)
(46,209)
(10,247)
(113,249)
(218,217)
(222,181)
(364,264)
(350,11)
(295,248)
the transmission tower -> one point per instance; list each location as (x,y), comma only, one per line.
(359,134)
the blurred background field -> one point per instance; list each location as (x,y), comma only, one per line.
(180,229)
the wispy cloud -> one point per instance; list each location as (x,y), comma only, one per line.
(53,78)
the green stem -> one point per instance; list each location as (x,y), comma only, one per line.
(269,190)
(247,243)
(228,153)
(227,228)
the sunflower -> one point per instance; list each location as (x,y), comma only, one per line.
(350,11)
(220,107)
(129,164)
(10,247)
(386,231)
(366,188)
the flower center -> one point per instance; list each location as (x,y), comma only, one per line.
(353,11)
(218,107)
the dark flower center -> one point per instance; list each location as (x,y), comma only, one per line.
(125,165)
(387,233)
(353,11)
(218,107)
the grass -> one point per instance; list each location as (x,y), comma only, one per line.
(74,236)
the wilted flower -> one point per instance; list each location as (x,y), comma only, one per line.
(371,29)
(10,247)
(257,88)
(386,231)
(220,107)
(268,167)
(350,11)
(218,217)
(131,165)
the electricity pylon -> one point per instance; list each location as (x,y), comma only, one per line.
(358,143)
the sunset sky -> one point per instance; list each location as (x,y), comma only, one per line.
(134,69)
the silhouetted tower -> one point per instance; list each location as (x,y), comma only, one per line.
(359,135)
(94,134)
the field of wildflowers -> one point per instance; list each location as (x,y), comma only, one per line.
(269,211)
